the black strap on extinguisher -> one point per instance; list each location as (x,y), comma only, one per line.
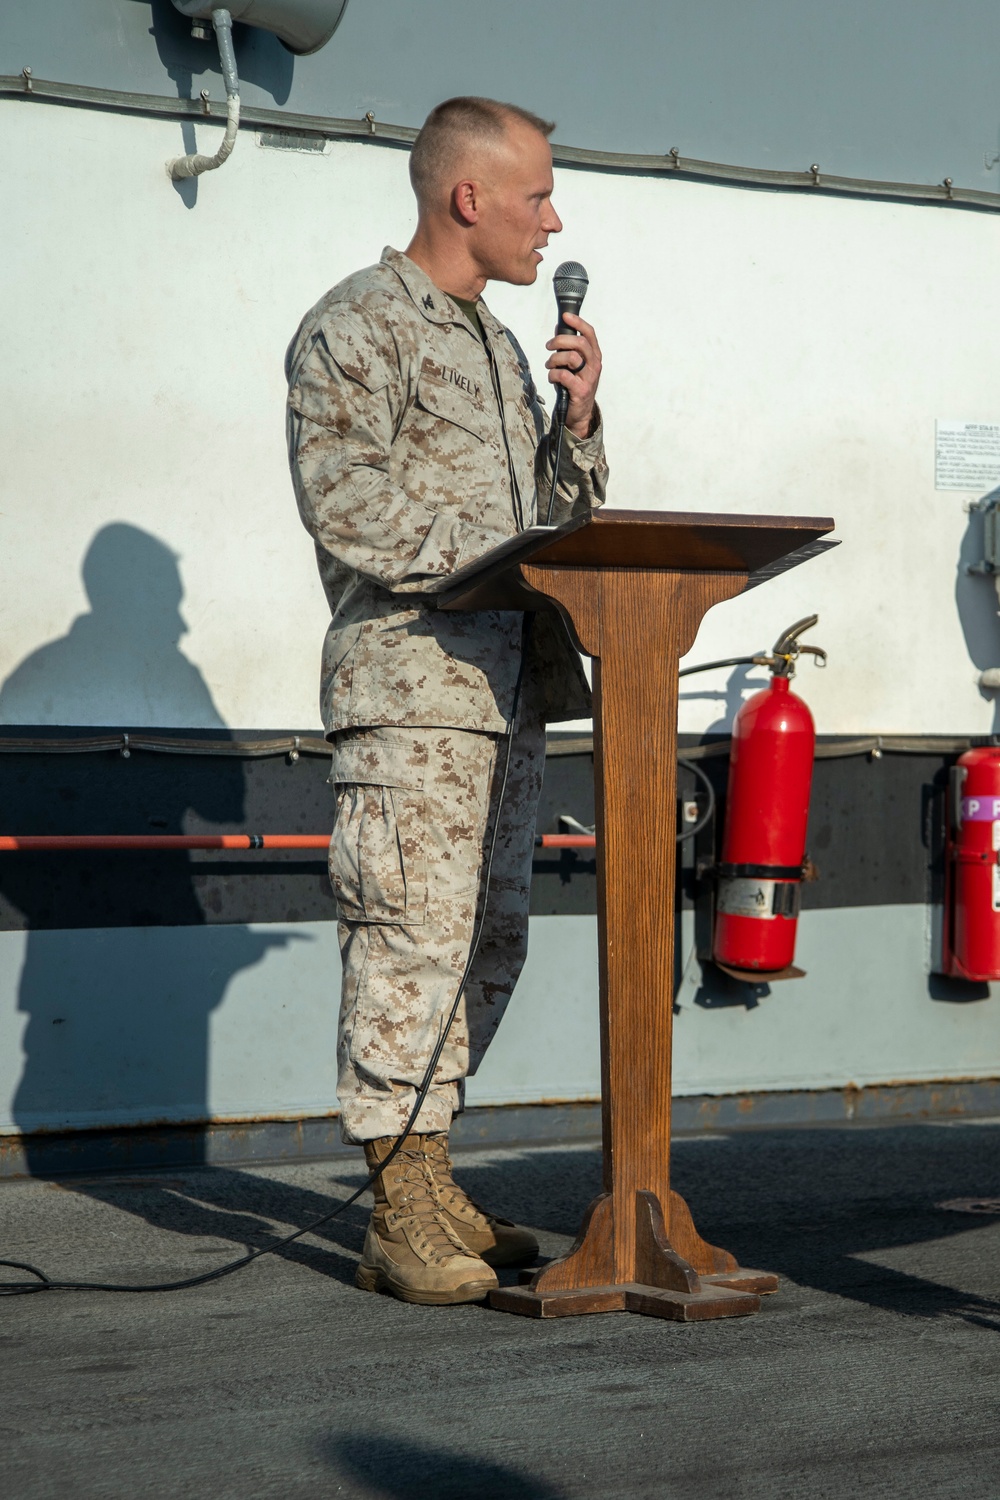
(759,872)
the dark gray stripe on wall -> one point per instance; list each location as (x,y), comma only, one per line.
(875,828)
(150,794)
(873,833)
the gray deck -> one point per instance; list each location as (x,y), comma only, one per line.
(874,1372)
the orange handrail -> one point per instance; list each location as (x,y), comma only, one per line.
(40,842)
(23,843)
(565,841)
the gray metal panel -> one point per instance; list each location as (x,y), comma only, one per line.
(903,90)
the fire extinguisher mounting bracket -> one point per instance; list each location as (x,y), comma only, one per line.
(989,564)
(707,869)
(758,872)
(760,976)
(956,777)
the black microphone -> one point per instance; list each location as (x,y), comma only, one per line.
(570,284)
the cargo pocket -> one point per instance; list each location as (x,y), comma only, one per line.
(378,864)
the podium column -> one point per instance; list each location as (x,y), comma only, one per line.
(638,1249)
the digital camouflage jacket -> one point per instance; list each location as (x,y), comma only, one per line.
(415,447)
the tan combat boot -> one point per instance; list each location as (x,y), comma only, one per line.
(410,1248)
(496,1241)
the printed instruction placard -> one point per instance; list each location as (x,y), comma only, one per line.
(967,456)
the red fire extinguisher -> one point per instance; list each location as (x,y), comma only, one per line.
(767,809)
(972,867)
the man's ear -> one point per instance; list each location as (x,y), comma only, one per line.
(465,199)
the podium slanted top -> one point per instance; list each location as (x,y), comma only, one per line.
(683,541)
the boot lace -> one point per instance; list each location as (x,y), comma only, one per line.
(441,1169)
(417,1204)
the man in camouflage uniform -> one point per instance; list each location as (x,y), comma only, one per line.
(417,443)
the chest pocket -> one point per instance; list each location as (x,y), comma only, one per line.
(452,404)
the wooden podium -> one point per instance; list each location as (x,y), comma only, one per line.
(632,586)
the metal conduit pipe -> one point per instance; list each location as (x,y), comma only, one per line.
(194,164)
(127,741)
(670,165)
(295,746)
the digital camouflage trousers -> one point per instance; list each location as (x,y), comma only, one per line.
(417,811)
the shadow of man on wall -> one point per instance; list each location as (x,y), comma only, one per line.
(118,1004)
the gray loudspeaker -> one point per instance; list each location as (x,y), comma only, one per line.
(303,25)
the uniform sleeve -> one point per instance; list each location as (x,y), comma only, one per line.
(346,398)
(583,473)
(583,468)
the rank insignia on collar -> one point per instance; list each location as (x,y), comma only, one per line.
(429,301)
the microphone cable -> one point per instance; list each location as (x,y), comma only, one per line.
(560,422)
(44,1283)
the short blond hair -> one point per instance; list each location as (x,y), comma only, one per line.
(456,123)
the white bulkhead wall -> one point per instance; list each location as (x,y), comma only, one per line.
(764,352)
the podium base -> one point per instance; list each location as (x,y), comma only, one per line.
(670,1286)
(714,1300)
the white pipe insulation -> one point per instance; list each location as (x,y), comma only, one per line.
(194,164)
